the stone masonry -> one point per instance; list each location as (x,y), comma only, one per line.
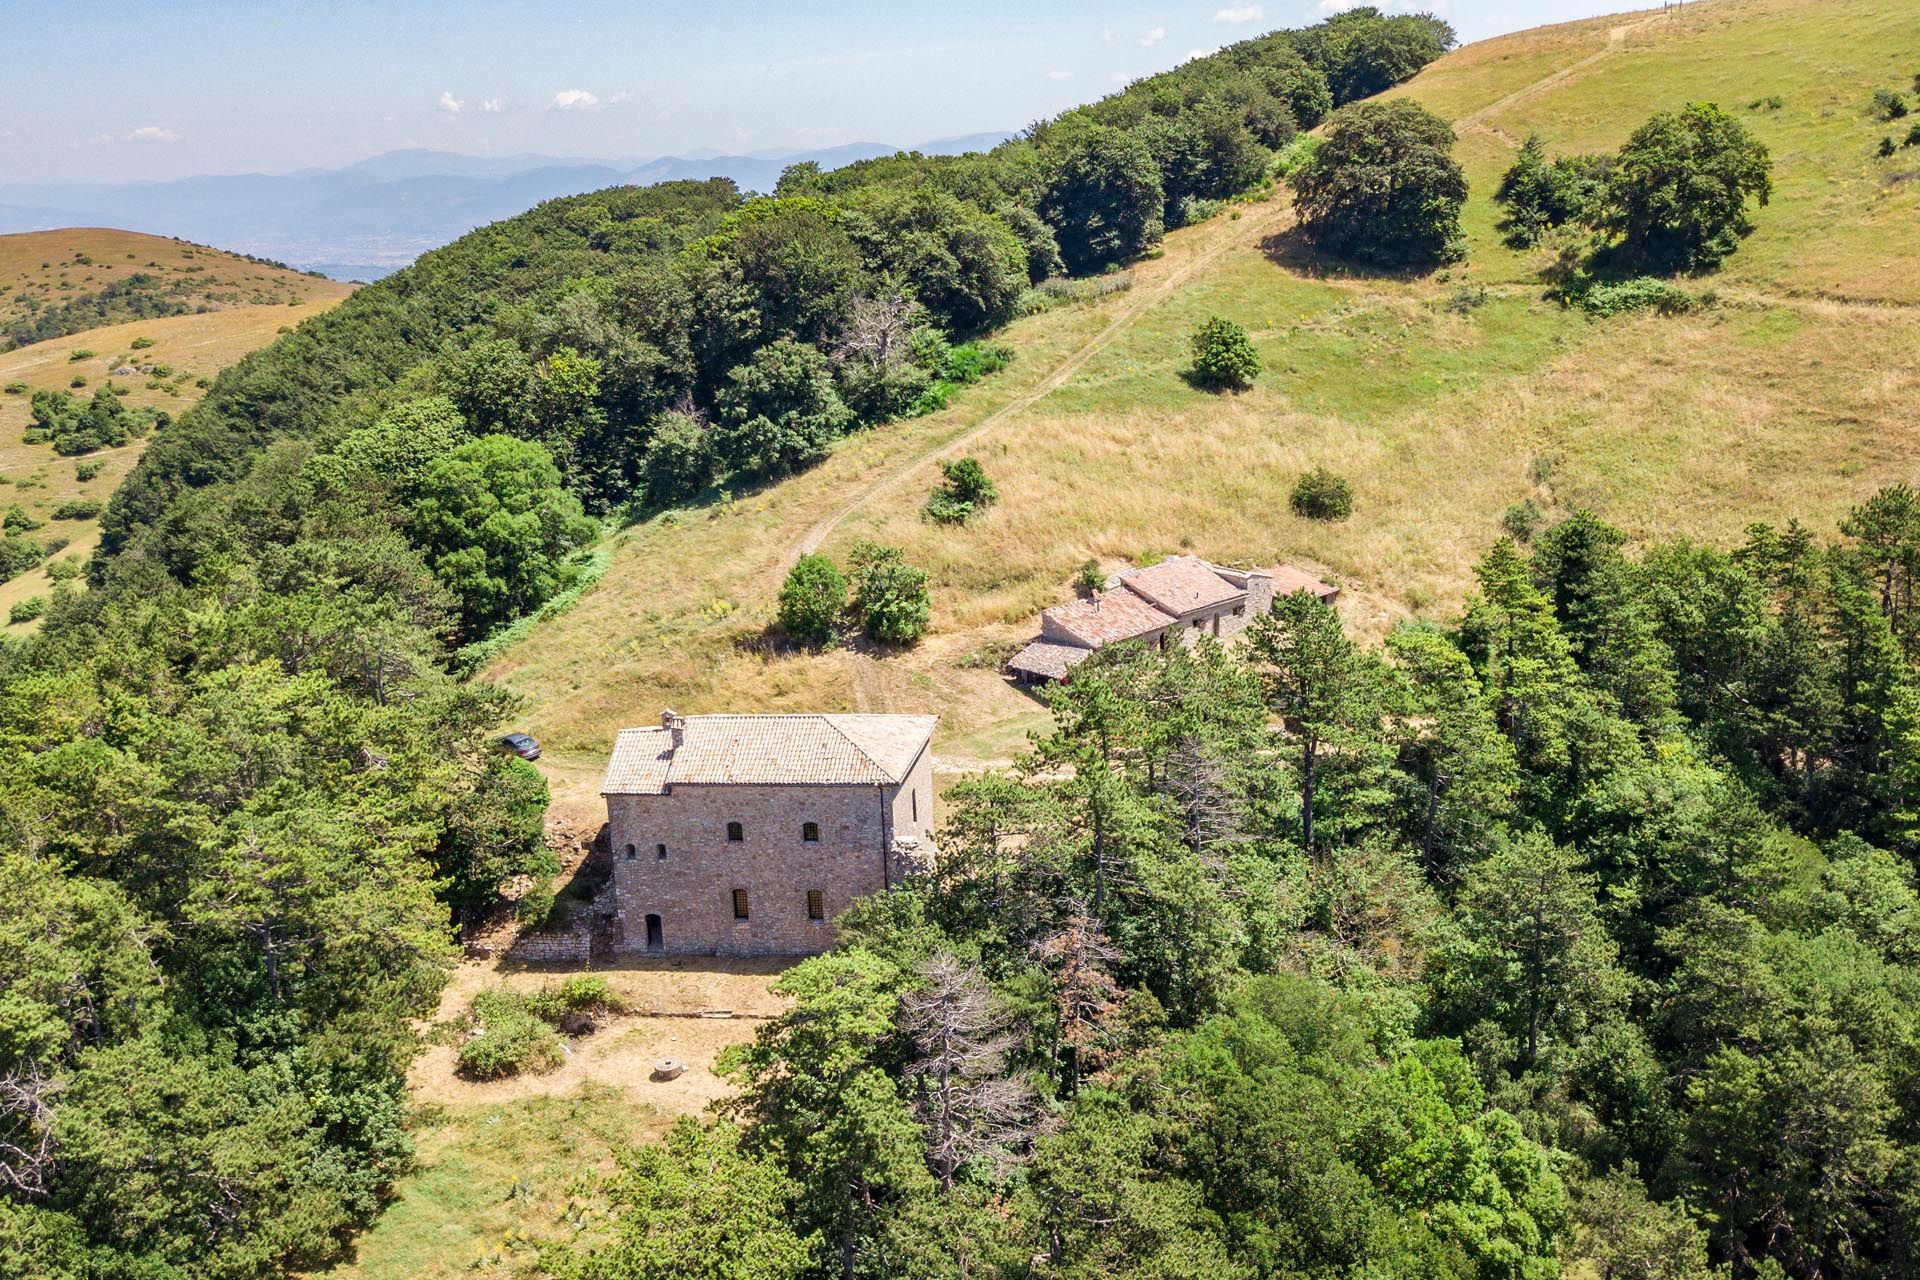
(747,835)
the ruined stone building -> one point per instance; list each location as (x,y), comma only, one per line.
(1181,598)
(747,835)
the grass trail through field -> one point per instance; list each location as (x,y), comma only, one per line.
(1234,234)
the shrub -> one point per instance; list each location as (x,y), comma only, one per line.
(79,380)
(1091,578)
(1642,293)
(1539,195)
(1522,520)
(78,509)
(965,491)
(18,553)
(1288,160)
(1223,355)
(1772,102)
(16,388)
(972,361)
(889,595)
(75,357)
(511,1038)
(27,610)
(1320,494)
(18,521)
(65,570)
(1384,186)
(1887,105)
(1886,147)
(140,344)
(811,599)
(1913,137)
(679,460)
(85,471)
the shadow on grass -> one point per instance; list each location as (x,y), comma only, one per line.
(1292,250)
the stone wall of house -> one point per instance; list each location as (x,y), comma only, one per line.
(691,888)
(573,945)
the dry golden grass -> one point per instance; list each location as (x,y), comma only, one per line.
(36,479)
(1769,404)
(51,268)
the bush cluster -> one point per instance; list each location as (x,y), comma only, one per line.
(889,600)
(1674,198)
(964,491)
(515,1033)
(1321,494)
(1224,356)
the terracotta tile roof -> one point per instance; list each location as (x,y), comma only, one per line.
(1108,618)
(1182,584)
(1287,580)
(719,750)
(1046,658)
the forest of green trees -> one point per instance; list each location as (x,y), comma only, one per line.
(1583,927)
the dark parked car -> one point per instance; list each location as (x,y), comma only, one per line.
(521,745)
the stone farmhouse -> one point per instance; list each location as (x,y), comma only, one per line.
(748,834)
(1182,598)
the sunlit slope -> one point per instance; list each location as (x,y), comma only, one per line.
(1794,394)
(192,349)
(81,278)
(1842,221)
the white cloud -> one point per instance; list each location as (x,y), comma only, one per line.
(1059,75)
(620,97)
(1198,53)
(573,100)
(1243,13)
(492,106)
(450,104)
(100,140)
(1153,37)
(153,133)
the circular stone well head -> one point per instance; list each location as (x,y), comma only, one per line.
(668,1068)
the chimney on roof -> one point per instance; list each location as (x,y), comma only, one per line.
(674,723)
(1096,599)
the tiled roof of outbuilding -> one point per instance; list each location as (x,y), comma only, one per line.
(1182,584)
(1108,618)
(1045,658)
(775,750)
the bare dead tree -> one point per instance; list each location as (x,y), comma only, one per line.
(26,1128)
(1079,957)
(878,332)
(972,1109)
(1211,806)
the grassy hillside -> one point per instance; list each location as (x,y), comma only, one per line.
(57,283)
(192,348)
(1445,399)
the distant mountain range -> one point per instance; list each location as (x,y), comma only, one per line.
(374,217)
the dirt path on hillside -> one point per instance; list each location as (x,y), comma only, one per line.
(1138,304)
(1616,38)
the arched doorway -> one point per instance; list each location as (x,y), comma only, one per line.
(655,942)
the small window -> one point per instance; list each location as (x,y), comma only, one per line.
(816,904)
(739,904)
(913,801)
(1196,623)
(632,853)
(810,832)
(1239,610)
(659,853)
(735,833)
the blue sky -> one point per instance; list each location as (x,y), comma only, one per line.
(168,89)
